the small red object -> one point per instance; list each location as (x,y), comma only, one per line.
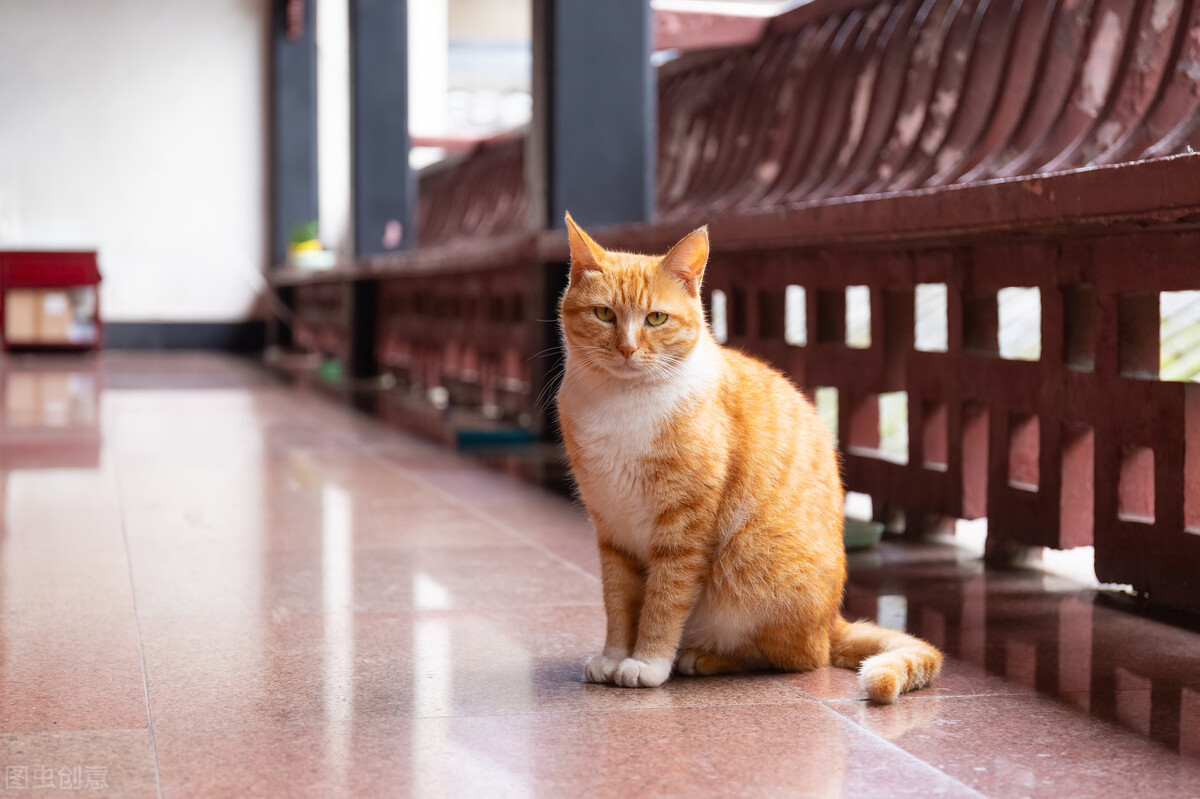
(50,269)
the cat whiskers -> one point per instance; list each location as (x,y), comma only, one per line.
(664,367)
(587,355)
(559,376)
(548,351)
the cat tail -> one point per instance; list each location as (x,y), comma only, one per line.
(888,662)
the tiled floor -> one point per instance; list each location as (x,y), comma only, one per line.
(215,585)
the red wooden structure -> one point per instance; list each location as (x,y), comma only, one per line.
(48,269)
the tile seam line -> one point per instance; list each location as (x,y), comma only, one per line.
(899,749)
(369,451)
(137,626)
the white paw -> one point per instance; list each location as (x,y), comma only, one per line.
(600,668)
(687,663)
(634,673)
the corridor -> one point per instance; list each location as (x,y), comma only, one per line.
(216,584)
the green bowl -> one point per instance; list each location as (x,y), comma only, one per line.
(859,534)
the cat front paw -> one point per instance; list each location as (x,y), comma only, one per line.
(601,668)
(634,673)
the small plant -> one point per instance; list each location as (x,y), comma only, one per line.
(304,232)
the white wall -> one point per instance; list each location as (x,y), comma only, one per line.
(139,127)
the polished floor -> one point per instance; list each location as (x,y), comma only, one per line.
(212,584)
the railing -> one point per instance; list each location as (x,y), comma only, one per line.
(1074,443)
(477,196)
(465,328)
(850,98)
(886,184)
(855,98)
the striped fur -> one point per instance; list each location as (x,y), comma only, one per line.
(712,485)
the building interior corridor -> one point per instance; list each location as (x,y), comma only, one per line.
(215,583)
(285,509)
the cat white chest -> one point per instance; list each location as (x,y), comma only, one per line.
(617,425)
(614,443)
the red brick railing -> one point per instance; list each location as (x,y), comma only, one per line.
(868,169)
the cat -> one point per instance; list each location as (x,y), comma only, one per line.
(713,487)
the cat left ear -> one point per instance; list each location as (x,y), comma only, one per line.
(585,253)
(687,259)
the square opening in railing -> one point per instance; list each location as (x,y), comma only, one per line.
(1135,490)
(859,506)
(826,400)
(1179,336)
(893,426)
(930,328)
(1024,450)
(795,328)
(1020,317)
(718,320)
(858,317)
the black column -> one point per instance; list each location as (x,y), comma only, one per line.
(594,99)
(293,121)
(383,185)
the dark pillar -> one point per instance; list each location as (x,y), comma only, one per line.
(594,100)
(383,186)
(293,120)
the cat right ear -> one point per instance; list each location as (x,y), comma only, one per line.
(585,253)
(687,259)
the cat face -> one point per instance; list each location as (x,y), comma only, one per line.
(634,317)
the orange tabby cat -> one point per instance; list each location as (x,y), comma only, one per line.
(712,485)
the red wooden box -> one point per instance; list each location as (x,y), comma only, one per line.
(48,270)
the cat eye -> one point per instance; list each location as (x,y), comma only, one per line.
(605,314)
(655,319)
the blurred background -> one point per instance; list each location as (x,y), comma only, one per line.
(142,130)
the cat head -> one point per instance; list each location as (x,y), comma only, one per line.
(633,316)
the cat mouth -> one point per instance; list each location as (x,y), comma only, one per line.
(626,369)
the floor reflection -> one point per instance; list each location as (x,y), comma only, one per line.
(1088,649)
(49,417)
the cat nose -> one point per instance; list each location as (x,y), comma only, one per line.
(627,350)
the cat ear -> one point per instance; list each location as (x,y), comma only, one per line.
(687,259)
(585,253)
